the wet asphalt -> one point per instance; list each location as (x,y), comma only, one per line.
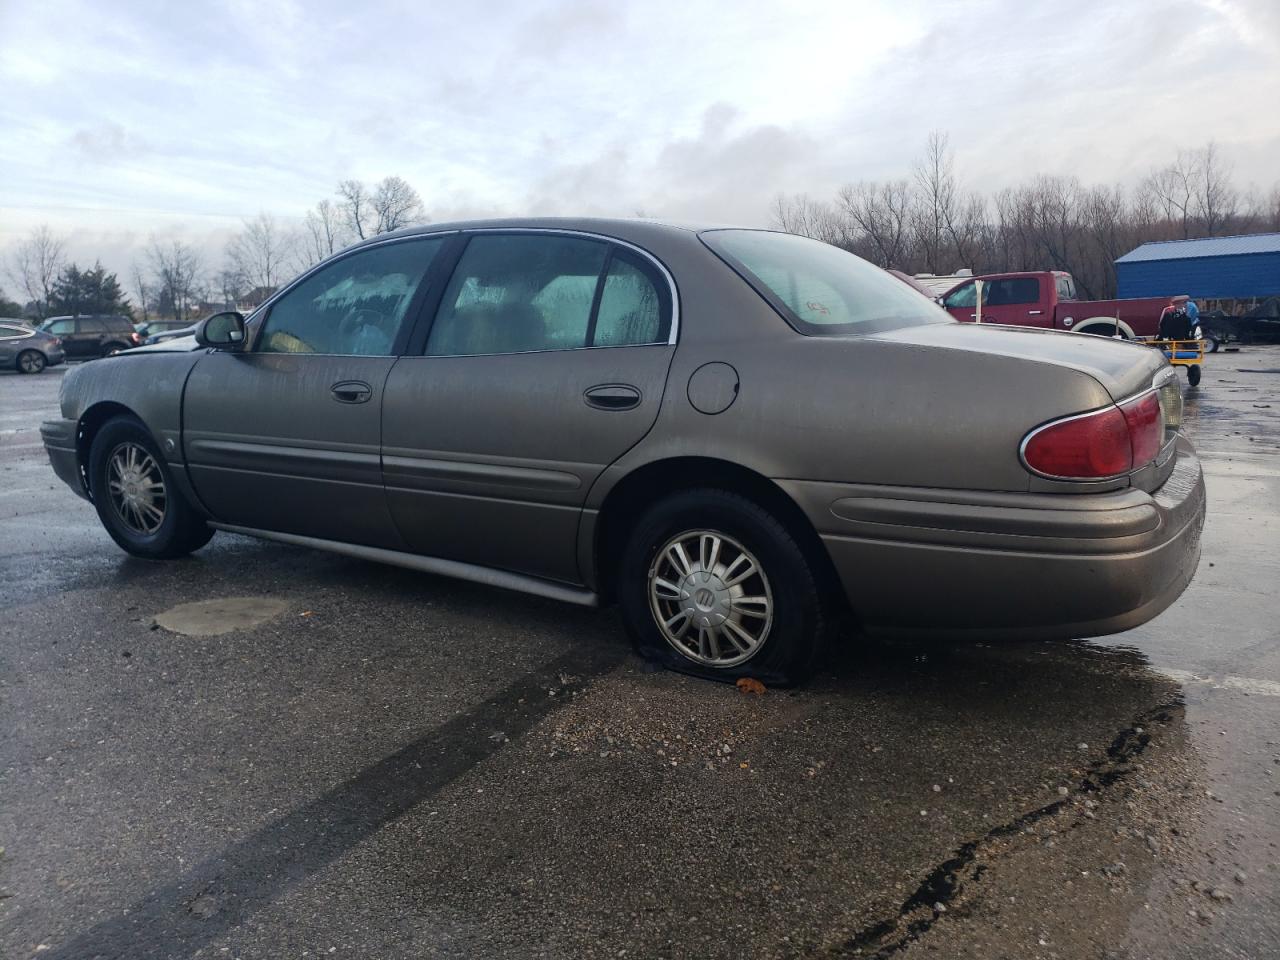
(383,764)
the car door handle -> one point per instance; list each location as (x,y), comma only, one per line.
(351,391)
(612,396)
(1034,313)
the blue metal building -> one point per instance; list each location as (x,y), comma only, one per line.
(1218,268)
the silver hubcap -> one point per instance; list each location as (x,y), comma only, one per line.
(710,598)
(31,362)
(136,488)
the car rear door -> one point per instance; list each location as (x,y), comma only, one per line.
(285,436)
(545,361)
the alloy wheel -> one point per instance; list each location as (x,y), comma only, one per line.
(31,362)
(710,598)
(136,488)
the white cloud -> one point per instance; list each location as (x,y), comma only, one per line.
(122,119)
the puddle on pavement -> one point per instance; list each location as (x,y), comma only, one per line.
(212,618)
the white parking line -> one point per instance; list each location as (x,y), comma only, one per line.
(1265,688)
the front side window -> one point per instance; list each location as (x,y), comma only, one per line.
(819,289)
(1011,291)
(517,293)
(355,306)
(966,296)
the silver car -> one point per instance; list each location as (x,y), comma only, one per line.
(27,350)
(739,436)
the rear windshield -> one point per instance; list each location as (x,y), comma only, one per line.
(822,290)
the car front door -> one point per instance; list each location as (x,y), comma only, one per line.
(90,333)
(545,362)
(284,436)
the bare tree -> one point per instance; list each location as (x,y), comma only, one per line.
(935,209)
(259,251)
(34,266)
(1217,201)
(808,218)
(142,287)
(356,207)
(231,287)
(324,234)
(882,212)
(1174,189)
(395,205)
(175,270)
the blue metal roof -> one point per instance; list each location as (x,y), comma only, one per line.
(1209,247)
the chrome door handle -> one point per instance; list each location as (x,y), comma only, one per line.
(1034,313)
(351,391)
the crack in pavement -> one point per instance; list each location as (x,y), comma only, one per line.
(189,912)
(919,912)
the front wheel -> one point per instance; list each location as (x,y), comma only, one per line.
(712,584)
(1193,374)
(30,361)
(136,499)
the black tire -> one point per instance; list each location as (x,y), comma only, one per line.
(31,361)
(181,530)
(1193,374)
(789,649)
(1101,330)
(110,348)
(1211,343)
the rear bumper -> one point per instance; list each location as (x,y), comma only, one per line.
(1011,565)
(59,438)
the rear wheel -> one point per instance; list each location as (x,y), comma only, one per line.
(30,361)
(712,584)
(1105,330)
(113,347)
(134,493)
(1193,374)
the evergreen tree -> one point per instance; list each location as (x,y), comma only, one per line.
(77,291)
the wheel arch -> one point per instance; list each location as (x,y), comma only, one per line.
(649,483)
(91,421)
(1084,325)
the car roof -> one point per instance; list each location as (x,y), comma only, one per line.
(632,229)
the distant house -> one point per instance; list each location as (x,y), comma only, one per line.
(1240,270)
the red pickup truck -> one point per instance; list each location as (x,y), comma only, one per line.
(1047,298)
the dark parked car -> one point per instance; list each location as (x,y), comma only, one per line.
(152,329)
(86,337)
(732,433)
(27,350)
(174,333)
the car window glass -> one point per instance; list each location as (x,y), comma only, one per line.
(1063,285)
(89,325)
(1012,290)
(59,327)
(966,296)
(7,333)
(820,289)
(518,293)
(355,306)
(630,311)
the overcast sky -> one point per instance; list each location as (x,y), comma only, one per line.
(124,118)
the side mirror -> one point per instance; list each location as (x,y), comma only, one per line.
(222,331)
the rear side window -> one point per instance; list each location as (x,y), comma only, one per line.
(819,289)
(88,325)
(631,310)
(523,293)
(1011,291)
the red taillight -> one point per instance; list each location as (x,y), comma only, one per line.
(1106,443)
(1146,427)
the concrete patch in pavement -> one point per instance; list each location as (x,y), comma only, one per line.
(212,618)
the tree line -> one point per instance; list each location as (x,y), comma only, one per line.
(929,222)
(171,279)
